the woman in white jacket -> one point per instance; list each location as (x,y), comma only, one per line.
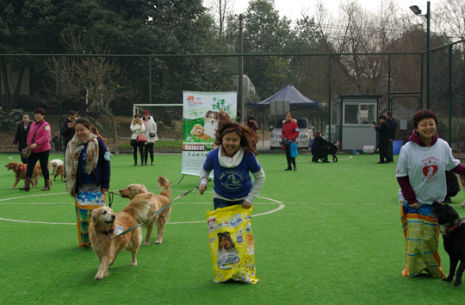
(151,134)
(137,128)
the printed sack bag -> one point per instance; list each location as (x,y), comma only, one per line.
(85,203)
(231,244)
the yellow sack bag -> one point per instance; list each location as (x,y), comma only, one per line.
(231,244)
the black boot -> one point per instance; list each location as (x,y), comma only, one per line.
(46,186)
(27,185)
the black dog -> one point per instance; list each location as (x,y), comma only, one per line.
(333,150)
(454,239)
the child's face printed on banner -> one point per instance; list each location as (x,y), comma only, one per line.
(231,143)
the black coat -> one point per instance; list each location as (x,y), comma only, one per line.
(21,135)
(383,134)
(320,147)
(67,133)
(392,128)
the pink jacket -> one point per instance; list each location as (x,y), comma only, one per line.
(42,137)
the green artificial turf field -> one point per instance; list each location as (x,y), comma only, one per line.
(325,234)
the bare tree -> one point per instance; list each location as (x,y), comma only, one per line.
(99,76)
(221,8)
(449,18)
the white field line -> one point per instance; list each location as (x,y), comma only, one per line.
(280,207)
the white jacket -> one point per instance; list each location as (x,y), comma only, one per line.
(151,126)
(137,129)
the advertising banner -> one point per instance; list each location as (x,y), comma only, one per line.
(200,120)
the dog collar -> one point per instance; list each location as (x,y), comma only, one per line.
(22,167)
(457,224)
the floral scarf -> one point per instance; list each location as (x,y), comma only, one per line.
(73,151)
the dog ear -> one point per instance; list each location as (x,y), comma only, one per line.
(94,216)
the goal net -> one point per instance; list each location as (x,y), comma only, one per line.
(169,123)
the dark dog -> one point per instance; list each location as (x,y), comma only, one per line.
(333,149)
(454,239)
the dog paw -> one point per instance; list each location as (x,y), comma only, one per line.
(158,241)
(134,263)
(146,243)
(98,277)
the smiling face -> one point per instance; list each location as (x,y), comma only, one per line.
(81,132)
(426,128)
(231,143)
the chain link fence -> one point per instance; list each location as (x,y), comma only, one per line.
(104,89)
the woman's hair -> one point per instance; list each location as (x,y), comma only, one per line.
(247,135)
(39,110)
(423,114)
(91,127)
(137,116)
(317,134)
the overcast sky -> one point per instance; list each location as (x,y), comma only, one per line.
(292,9)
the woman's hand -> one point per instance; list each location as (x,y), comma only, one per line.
(246,204)
(414,205)
(202,188)
(34,145)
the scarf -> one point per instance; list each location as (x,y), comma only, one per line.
(73,152)
(230,162)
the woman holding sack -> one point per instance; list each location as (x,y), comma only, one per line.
(420,172)
(289,134)
(230,224)
(87,164)
(38,148)
(138,138)
(150,134)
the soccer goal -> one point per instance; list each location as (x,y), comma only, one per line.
(169,122)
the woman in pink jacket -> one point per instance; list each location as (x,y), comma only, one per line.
(39,140)
(289,133)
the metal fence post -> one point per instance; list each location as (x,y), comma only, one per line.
(60,99)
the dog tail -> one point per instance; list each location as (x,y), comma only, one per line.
(165,185)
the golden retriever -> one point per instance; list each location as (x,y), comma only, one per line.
(144,204)
(20,172)
(105,224)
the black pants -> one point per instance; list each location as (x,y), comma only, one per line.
(288,157)
(43,159)
(389,153)
(383,152)
(148,149)
(136,145)
(23,160)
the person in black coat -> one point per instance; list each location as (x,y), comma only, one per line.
(383,139)
(320,148)
(67,131)
(392,134)
(22,129)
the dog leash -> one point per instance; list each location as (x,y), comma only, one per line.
(156,213)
